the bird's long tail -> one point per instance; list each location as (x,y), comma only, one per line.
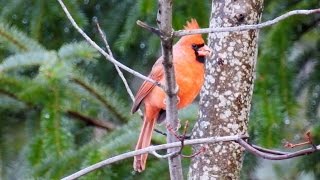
(144,140)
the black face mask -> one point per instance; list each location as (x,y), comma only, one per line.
(196,47)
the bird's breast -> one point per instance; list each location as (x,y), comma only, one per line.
(190,78)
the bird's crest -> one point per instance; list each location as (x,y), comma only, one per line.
(192,24)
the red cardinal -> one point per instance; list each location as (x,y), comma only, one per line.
(188,59)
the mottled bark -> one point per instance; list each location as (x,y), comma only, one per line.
(164,20)
(227,92)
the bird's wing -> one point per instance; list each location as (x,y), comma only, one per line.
(155,74)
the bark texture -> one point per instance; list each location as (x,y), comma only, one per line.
(225,98)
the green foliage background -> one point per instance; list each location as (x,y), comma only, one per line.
(48,73)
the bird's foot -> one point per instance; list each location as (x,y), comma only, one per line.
(182,138)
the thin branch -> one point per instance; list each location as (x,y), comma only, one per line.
(269,151)
(282,156)
(153,149)
(105,54)
(164,20)
(104,38)
(246,27)
(95,122)
(149,149)
(160,132)
(164,156)
(201,150)
(149,28)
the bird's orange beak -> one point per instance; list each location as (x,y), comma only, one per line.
(204,51)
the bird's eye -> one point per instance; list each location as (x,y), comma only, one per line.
(197,46)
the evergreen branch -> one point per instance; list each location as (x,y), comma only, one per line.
(13,96)
(16,40)
(26,59)
(246,27)
(78,50)
(9,94)
(91,121)
(264,153)
(99,97)
(13,40)
(105,54)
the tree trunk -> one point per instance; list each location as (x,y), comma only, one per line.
(227,92)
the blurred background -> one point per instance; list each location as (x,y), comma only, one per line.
(52,83)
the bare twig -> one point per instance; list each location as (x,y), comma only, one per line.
(105,54)
(160,132)
(245,27)
(149,28)
(201,150)
(269,151)
(149,149)
(152,150)
(124,80)
(308,141)
(164,156)
(281,156)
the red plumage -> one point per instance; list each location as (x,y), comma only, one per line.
(188,55)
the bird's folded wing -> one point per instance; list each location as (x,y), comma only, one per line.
(155,74)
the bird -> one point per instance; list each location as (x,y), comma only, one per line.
(189,54)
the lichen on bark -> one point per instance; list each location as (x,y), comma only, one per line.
(225,98)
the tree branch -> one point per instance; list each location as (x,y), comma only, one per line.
(261,149)
(164,20)
(163,156)
(149,28)
(245,27)
(149,149)
(280,155)
(104,38)
(105,54)
(153,149)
